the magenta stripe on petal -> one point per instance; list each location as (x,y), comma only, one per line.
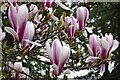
(55,55)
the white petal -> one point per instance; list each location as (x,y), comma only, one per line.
(91,59)
(85,33)
(115,45)
(11,31)
(28,33)
(67,71)
(111,66)
(62,5)
(54,17)
(34,43)
(18,66)
(63,57)
(2,36)
(55,67)
(102,69)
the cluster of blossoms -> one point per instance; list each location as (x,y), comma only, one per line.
(58,52)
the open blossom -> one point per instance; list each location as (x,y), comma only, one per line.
(82,16)
(58,54)
(2,35)
(71,25)
(107,45)
(21,28)
(100,48)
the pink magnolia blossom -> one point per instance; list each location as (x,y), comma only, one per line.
(94,45)
(107,45)
(21,28)
(82,16)
(17,67)
(100,48)
(58,54)
(71,25)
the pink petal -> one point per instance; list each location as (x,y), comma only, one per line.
(63,57)
(12,15)
(93,43)
(2,35)
(11,31)
(102,69)
(18,66)
(56,45)
(82,16)
(43,4)
(22,20)
(104,48)
(49,51)
(28,33)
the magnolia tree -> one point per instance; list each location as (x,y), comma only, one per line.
(48,39)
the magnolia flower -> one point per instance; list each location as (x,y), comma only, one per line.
(21,28)
(58,54)
(17,67)
(94,45)
(107,45)
(71,25)
(100,48)
(82,16)
(2,35)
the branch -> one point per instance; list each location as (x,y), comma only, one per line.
(16,70)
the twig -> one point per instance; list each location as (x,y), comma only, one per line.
(16,70)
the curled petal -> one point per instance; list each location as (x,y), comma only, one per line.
(11,31)
(91,59)
(115,45)
(62,5)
